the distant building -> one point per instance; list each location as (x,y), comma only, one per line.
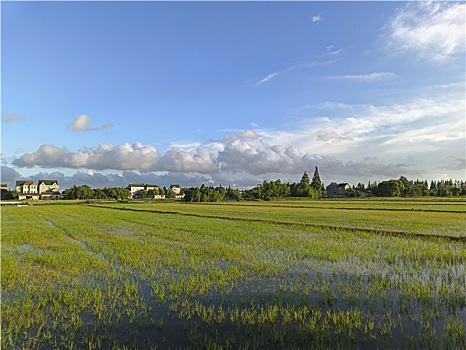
(46,189)
(148,187)
(341,190)
(175,188)
(4,187)
(135,189)
(26,187)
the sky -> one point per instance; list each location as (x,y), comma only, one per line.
(231,93)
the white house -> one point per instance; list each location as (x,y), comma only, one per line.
(46,189)
(176,189)
(26,187)
(135,188)
(148,187)
(48,186)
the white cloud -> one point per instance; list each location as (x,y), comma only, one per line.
(242,156)
(246,134)
(237,156)
(377,138)
(379,76)
(184,146)
(434,31)
(268,78)
(83,123)
(317,19)
(318,61)
(105,156)
(202,162)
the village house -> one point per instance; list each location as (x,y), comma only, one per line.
(46,189)
(148,187)
(156,189)
(177,190)
(135,189)
(26,190)
(48,186)
(4,187)
(341,190)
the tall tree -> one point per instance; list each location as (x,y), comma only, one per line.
(317,184)
(305,181)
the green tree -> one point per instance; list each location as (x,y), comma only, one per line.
(6,194)
(232,194)
(317,185)
(99,193)
(444,191)
(390,188)
(143,194)
(407,187)
(303,188)
(305,181)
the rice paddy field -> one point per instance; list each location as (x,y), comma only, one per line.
(360,274)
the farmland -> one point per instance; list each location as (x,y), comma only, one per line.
(240,275)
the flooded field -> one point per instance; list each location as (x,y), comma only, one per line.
(307,275)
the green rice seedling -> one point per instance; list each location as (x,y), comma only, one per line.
(454,336)
(270,279)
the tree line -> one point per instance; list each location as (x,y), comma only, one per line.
(305,188)
(403,187)
(268,189)
(314,189)
(118,193)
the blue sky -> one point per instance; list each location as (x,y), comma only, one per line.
(107,93)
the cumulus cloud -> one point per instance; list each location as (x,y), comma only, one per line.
(105,156)
(202,161)
(429,127)
(238,156)
(434,31)
(242,156)
(246,134)
(96,179)
(127,156)
(83,123)
(8,174)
